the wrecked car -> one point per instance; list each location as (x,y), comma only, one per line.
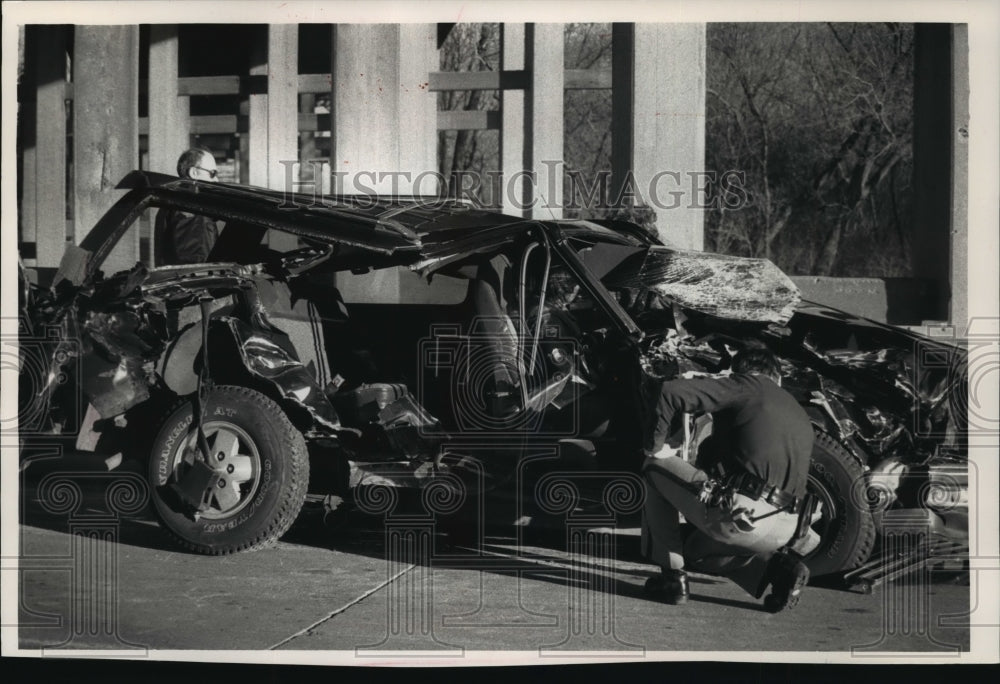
(336,343)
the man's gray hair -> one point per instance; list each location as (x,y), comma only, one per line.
(190,159)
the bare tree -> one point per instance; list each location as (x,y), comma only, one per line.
(469,47)
(819,118)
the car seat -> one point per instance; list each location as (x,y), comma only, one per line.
(492,332)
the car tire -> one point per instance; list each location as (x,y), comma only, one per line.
(259,474)
(846,526)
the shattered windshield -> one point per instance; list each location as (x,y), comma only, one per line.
(645,279)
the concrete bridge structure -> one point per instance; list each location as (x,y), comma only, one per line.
(98,101)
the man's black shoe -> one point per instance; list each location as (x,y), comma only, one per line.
(669,587)
(788,577)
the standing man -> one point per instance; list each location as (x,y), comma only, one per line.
(758,457)
(180,237)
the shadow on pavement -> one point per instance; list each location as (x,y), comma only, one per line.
(62,494)
(58,493)
(505,547)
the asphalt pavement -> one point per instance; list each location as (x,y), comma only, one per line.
(371,590)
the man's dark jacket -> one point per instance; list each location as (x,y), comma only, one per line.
(183,238)
(757,427)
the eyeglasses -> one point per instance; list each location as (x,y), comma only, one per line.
(212,173)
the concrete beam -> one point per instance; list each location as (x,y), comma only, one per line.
(49,176)
(169,112)
(105,128)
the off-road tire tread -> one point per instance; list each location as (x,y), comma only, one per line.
(298,457)
(866,539)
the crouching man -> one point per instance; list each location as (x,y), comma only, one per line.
(746,499)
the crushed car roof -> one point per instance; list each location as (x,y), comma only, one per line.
(385,224)
(428,233)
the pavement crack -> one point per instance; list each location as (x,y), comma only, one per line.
(309,630)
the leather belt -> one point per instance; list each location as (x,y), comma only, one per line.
(759,489)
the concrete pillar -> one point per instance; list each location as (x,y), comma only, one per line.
(959,274)
(48,179)
(169,113)
(27,222)
(515,187)
(622,110)
(366,134)
(256,158)
(105,128)
(26,137)
(274,116)
(544,55)
(418,56)
(665,98)
(282,101)
(383,119)
(282,111)
(933,173)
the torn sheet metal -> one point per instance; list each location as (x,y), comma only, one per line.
(272,362)
(887,377)
(73,267)
(126,323)
(722,286)
(113,387)
(872,401)
(118,361)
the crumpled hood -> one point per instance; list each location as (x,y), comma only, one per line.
(921,380)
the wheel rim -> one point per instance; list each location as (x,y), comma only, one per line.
(829,511)
(233,455)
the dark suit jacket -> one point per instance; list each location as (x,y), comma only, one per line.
(757,427)
(183,238)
